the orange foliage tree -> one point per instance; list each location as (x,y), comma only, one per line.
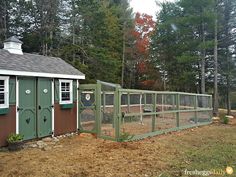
(143,28)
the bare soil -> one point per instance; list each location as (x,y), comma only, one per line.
(166,155)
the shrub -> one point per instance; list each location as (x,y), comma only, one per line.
(225,120)
(125,137)
(13,138)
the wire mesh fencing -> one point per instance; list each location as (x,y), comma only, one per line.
(134,114)
(147,113)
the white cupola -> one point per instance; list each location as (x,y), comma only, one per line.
(13,45)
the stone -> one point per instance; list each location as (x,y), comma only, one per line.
(55,139)
(3,149)
(215,118)
(230,117)
(32,146)
(46,148)
(48,139)
(58,146)
(41,144)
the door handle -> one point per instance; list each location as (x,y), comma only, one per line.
(39,107)
(19,109)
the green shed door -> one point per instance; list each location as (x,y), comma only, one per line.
(44,107)
(27,108)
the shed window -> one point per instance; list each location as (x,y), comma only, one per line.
(66,91)
(4,90)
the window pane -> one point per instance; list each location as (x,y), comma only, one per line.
(1,82)
(1,85)
(65,96)
(65,86)
(2,100)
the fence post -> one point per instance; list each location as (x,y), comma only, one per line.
(210,105)
(154,110)
(98,108)
(178,109)
(117,113)
(128,95)
(104,104)
(145,99)
(195,109)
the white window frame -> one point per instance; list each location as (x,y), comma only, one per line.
(6,92)
(71,91)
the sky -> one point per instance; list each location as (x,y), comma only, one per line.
(146,6)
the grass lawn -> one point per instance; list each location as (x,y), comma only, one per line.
(210,147)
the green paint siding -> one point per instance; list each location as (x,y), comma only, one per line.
(12,91)
(44,107)
(27,107)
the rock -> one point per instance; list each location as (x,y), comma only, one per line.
(41,144)
(47,148)
(32,146)
(230,117)
(215,118)
(48,139)
(68,135)
(55,139)
(3,149)
(58,146)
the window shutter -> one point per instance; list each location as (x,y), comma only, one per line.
(75,90)
(12,91)
(56,92)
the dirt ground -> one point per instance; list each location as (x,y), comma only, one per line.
(83,155)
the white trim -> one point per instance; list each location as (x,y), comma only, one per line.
(53,107)
(17,105)
(13,47)
(38,74)
(6,92)
(77,105)
(71,91)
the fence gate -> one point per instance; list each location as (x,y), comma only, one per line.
(89,108)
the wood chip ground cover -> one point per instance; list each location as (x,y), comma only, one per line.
(202,148)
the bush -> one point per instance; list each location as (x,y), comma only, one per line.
(125,137)
(225,120)
(13,138)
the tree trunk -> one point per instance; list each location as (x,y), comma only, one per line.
(228,102)
(216,103)
(5,19)
(123,58)
(227,39)
(203,63)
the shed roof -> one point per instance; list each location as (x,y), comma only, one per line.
(36,65)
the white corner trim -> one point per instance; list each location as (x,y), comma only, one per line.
(17,105)
(53,107)
(71,91)
(77,105)
(37,74)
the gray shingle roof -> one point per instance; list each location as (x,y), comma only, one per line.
(13,39)
(35,63)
